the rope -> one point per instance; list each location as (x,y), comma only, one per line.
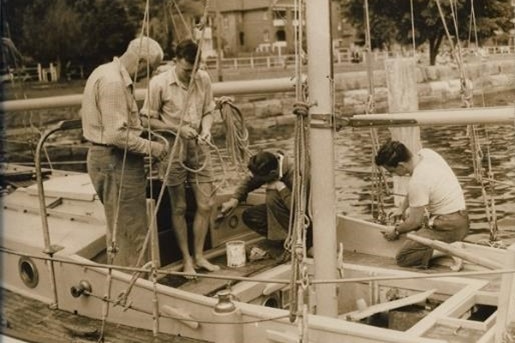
(186,26)
(466,95)
(295,242)
(236,133)
(171,153)
(413,29)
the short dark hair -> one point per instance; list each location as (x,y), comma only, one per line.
(263,163)
(187,49)
(391,154)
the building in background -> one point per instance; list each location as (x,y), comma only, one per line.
(265,26)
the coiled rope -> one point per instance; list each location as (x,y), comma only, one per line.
(236,133)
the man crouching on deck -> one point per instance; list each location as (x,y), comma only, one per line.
(432,187)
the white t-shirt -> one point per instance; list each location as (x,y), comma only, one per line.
(434,185)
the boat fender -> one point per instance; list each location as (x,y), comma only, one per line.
(83,288)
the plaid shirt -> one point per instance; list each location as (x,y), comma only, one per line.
(167,96)
(109,111)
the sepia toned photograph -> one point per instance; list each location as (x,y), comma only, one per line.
(255,171)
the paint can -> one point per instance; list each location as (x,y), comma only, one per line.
(235,254)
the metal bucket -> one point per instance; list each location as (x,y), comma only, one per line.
(235,254)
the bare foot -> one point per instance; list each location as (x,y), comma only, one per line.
(203,263)
(189,268)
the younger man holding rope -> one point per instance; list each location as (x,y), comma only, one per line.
(180,101)
(432,187)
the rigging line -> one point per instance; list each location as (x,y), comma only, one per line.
(174,24)
(379,183)
(413,29)
(477,53)
(145,24)
(149,137)
(465,84)
(454,14)
(155,317)
(105,305)
(186,26)
(489,201)
(113,249)
(170,159)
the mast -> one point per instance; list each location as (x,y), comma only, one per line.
(320,78)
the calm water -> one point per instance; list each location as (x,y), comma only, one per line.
(353,165)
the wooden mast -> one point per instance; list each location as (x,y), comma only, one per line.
(320,78)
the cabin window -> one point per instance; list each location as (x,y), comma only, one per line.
(280,36)
(242,38)
(28,272)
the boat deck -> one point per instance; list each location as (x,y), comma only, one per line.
(209,287)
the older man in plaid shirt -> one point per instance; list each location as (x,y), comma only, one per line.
(111,122)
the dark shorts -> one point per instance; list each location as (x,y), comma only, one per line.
(191,162)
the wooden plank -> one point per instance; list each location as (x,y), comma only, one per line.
(281,337)
(207,286)
(455,251)
(78,187)
(445,308)
(506,307)
(457,323)
(369,241)
(384,307)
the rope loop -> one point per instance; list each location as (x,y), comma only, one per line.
(301,109)
(223,100)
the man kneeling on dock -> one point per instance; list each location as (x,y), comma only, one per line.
(432,188)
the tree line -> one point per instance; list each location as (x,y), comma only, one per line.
(87,32)
(393,21)
(90,32)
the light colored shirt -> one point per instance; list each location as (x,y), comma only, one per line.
(434,185)
(109,111)
(167,96)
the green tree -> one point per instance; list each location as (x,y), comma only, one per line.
(392,21)
(85,32)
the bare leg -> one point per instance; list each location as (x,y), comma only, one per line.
(201,223)
(178,200)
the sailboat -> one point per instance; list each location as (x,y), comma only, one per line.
(53,248)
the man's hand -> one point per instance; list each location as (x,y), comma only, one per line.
(229,205)
(277,185)
(396,215)
(390,233)
(204,137)
(187,132)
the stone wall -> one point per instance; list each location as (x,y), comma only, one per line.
(435,84)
